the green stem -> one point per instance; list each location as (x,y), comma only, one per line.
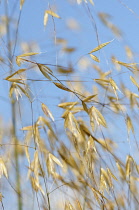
(13,108)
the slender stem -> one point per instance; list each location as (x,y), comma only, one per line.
(13,109)
(48,199)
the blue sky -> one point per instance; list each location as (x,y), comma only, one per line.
(31,29)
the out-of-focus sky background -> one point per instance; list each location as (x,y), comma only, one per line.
(76,26)
(79,26)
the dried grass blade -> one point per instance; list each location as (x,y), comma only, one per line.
(98,116)
(129,124)
(56,160)
(17,72)
(89,98)
(15,80)
(3,169)
(100,47)
(85,107)
(59,85)
(46,111)
(99,193)
(134,81)
(111,174)
(95,58)
(21,3)
(45,20)
(27,54)
(50,12)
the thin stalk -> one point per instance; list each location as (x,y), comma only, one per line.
(13,109)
